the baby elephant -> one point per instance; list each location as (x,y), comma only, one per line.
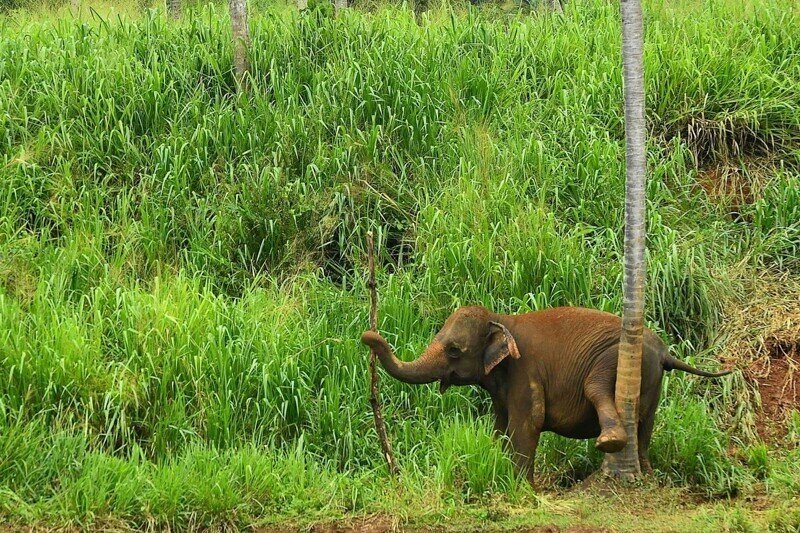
(552,370)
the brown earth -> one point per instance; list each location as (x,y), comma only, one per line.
(760,337)
(382,524)
(556,529)
(776,376)
(725,181)
(736,184)
(368,524)
(730,187)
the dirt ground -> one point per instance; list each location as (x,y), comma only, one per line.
(761,338)
(778,383)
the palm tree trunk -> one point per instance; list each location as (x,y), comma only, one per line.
(174,8)
(241,41)
(625,464)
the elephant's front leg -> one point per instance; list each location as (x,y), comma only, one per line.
(500,418)
(525,422)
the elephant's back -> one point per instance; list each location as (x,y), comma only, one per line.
(568,337)
(571,317)
(579,330)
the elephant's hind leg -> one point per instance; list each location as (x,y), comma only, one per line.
(644,433)
(600,392)
(648,405)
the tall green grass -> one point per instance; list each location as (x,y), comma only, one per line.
(182,266)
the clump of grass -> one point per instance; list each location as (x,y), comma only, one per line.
(694,450)
(472,464)
(736,521)
(785,519)
(758,460)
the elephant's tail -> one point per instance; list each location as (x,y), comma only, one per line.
(671,363)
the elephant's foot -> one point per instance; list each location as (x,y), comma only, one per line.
(644,464)
(612,440)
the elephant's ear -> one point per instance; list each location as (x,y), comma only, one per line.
(499,345)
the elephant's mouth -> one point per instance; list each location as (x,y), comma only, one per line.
(448,380)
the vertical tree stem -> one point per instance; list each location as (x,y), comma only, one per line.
(625,464)
(374,400)
(241,41)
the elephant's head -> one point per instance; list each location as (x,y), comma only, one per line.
(469,346)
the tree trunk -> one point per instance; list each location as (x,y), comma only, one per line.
(625,464)
(174,8)
(302,4)
(339,5)
(241,41)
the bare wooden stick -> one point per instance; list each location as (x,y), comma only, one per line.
(374,400)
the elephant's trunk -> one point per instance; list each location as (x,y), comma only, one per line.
(428,367)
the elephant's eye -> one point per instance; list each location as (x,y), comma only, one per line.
(453,351)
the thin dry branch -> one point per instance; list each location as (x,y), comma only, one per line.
(374,400)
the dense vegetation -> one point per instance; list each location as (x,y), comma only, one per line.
(182,282)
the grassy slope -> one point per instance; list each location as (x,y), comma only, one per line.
(182,267)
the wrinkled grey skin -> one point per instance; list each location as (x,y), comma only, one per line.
(552,370)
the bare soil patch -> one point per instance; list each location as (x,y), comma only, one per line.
(367,524)
(384,523)
(552,528)
(726,185)
(777,376)
(764,343)
(736,184)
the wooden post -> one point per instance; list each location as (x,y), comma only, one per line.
(241,41)
(374,400)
